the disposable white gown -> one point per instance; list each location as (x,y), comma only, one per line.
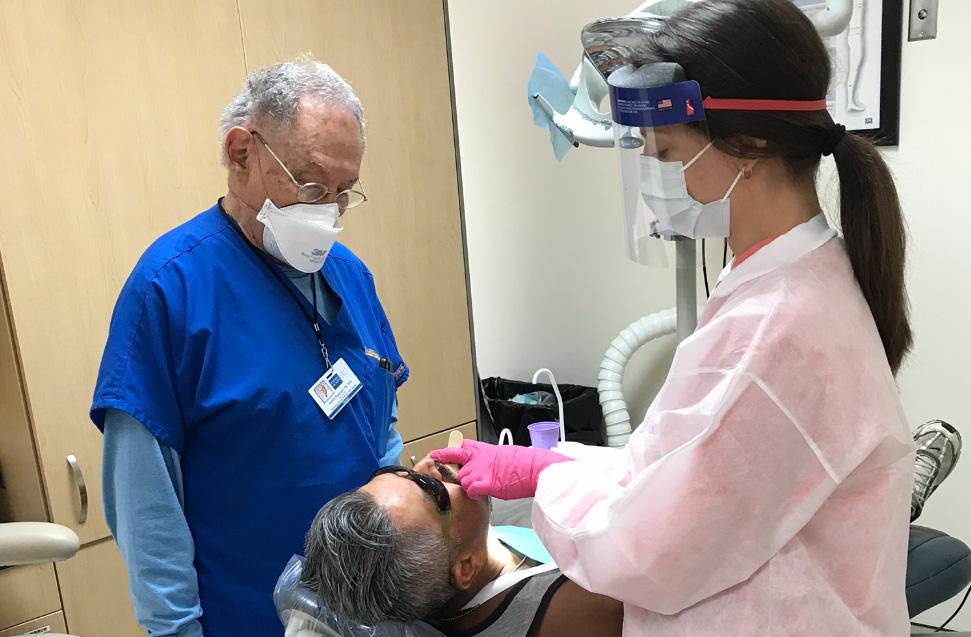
(767,491)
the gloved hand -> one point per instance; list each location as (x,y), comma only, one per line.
(507,472)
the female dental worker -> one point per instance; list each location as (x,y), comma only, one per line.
(766,492)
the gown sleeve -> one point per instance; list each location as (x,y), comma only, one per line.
(740,478)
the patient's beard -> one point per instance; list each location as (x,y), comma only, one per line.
(447,474)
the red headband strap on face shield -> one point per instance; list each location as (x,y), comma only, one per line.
(718,104)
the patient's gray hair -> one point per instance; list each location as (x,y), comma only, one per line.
(367,570)
(274,94)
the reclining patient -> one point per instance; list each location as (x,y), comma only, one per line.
(381,553)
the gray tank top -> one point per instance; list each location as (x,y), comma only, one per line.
(521,612)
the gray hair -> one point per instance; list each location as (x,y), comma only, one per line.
(366,570)
(274,93)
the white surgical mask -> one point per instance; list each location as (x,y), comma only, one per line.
(300,235)
(677,213)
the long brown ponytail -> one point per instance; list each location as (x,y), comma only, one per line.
(873,229)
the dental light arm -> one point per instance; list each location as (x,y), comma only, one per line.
(583,123)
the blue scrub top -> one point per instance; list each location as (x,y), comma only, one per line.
(209,350)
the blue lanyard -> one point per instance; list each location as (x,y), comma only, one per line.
(275,271)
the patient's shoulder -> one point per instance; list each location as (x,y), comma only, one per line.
(569,609)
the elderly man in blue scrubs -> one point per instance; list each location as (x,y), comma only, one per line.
(250,371)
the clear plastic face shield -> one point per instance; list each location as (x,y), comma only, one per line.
(659,120)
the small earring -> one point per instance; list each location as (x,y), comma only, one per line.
(746,172)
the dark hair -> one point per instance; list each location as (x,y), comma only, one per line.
(768,49)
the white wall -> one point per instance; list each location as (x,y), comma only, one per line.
(551,284)
(931,166)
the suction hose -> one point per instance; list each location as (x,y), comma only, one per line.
(611,376)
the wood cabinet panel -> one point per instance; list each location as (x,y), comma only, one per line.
(27,592)
(423,446)
(113,109)
(94,587)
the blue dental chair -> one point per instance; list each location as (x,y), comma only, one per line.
(938,568)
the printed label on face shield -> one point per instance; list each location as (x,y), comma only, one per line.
(678,103)
(335,389)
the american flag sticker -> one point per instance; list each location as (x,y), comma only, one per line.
(664,105)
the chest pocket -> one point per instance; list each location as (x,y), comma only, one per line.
(381,401)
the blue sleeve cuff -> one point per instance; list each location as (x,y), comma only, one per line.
(395,446)
(193,629)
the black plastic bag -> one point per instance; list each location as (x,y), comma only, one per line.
(581,408)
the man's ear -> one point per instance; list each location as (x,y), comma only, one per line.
(465,569)
(238,148)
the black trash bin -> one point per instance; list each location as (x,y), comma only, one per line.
(581,409)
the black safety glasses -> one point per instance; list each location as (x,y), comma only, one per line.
(435,488)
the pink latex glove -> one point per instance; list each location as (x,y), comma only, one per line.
(508,472)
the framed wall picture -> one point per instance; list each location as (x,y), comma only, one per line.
(863,38)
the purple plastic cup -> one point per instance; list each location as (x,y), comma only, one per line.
(544,435)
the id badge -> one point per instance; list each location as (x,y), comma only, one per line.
(335,389)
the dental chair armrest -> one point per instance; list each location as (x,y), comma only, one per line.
(36,542)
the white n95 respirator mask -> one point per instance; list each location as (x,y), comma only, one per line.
(300,235)
(676,212)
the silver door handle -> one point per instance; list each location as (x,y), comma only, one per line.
(72,461)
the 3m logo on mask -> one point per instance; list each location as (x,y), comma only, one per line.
(300,235)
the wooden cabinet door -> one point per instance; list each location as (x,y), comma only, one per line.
(109,118)
(409,233)
(21,490)
(27,592)
(94,587)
